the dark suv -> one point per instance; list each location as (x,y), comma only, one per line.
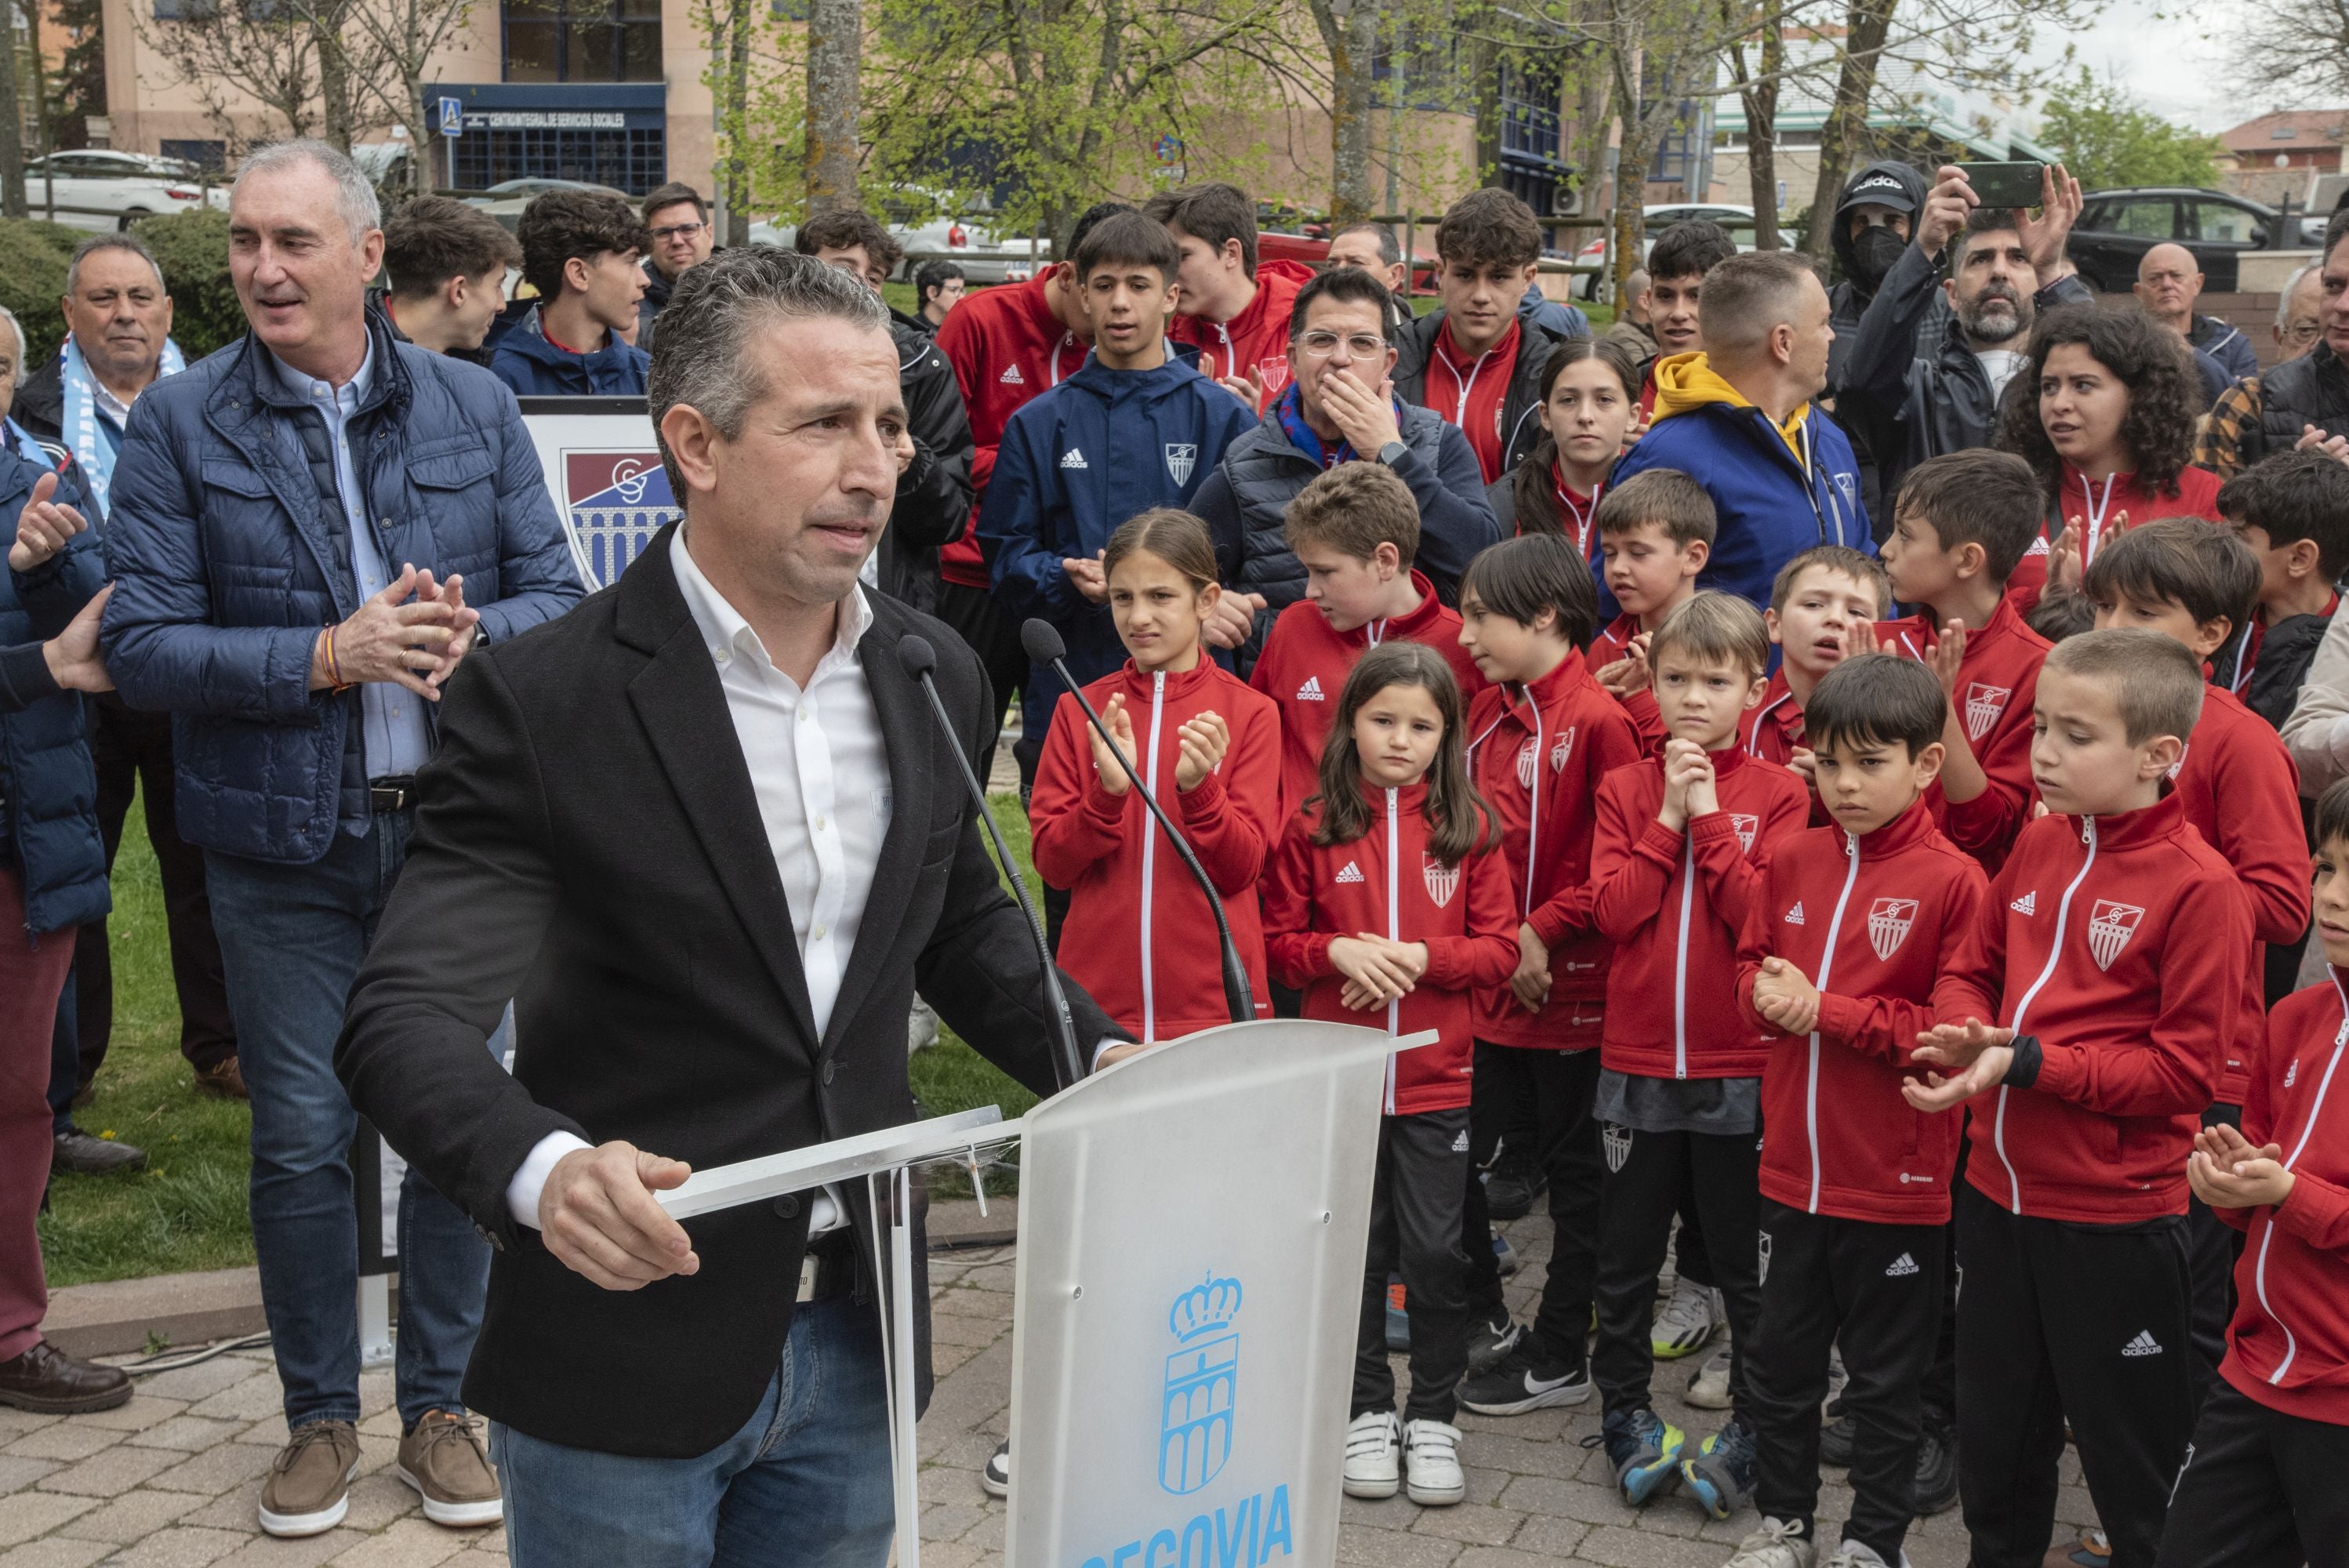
(2118,227)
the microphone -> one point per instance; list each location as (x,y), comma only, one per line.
(1043,646)
(918,659)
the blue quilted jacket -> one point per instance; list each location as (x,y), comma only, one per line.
(48,792)
(226,569)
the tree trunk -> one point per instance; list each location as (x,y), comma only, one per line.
(1589,155)
(1631,190)
(1485,83)
(1870,23)
(11,130)
(334,81)
(737,115)
(835,38)
(1761,100)
(1352,42)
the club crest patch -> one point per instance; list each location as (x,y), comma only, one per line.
(1745,827)
(1984,702)
(1889,920)
(1442,881)
(1182,456)
(1528,758)
(1560,749)
(2110,926)
(1617,1141)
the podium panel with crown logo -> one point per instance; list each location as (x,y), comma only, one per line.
(1193,1224)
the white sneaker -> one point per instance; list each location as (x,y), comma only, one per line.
(1774,1545)
(921,1027)
(1687,1322)
(1374,1455)
(1837,1375)
(1709,1389)
(1430,1461)
(1855,1555)
(995,1479)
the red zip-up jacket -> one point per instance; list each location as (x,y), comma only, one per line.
(1871,921)
(1148,952)
(2120,943)
(2288,1344)
(2241,790)
(1538,763)
(1772,729)
(1998,681)
(1613,642)
(2098,502)
(1673,904)
(1006,346)
(1385,882)
(1260,331)
(1305,663)
(1471,388)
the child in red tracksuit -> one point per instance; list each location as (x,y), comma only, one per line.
(1355,529)
(2241,790)
(2263,1480)
(1961,522)
(2084,1020)
(1208,748)
(1655,535)
(1539,740)
(1837,964)
(1822,603)
(1390,905)
(1673,868)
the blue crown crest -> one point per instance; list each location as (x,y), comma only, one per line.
(1205,1308)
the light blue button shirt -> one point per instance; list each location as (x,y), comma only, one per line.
(393,731)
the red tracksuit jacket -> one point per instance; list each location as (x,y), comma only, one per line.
(1303,670)
(1774,730)
(2241,790)
(1538,754)
(2288,1344)
(2089,499)
(1998,680)
(1385,882)
(1471,390)
(1006,346)
(1259,333)
(1673,904)
(1872,921)
(2121,943)
(1613,642)
(1148,952)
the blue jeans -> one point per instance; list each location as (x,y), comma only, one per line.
(805,1481)
(291,940)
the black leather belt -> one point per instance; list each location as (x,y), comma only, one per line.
(829,1268)
(393,792)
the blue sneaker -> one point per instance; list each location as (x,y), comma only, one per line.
(1722,1476)
(1398,1321)
(1504,1256)
(1645,1450)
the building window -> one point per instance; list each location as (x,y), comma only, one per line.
(630,160)
(579,40)
(211,156)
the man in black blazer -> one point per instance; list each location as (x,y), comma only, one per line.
(706,833)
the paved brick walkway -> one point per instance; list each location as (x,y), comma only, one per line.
(171,1480)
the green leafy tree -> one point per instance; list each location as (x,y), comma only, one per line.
(80,87)
(2109,139)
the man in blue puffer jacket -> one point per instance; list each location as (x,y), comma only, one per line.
(309,528)
(1738,419)
(1132,429)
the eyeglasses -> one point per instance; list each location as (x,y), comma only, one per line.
(1322,345)
(678,231)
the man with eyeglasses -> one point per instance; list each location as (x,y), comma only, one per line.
(2299,329)
(677,220)
(1338,407)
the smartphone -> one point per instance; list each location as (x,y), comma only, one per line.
(2004,184)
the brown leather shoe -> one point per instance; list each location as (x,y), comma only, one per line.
(445,1459)
(224,1078)
(309,1485)
(44,1379)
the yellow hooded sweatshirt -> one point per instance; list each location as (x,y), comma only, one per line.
(1685,382)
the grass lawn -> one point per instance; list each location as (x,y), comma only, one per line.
(187,1208)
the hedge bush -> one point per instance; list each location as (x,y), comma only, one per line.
(192,250)
(33,258)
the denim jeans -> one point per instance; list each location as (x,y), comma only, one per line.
(291,940)
(805,1481)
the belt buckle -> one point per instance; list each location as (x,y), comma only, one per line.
(811,1270)
(388,796)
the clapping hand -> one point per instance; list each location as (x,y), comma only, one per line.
(2313,439)
(1785,994)
(1976,1054)
(466,623)
(72,654)
(44,528)
(1232,620)
(2226,1173)
(1086,576)
(1248,388)
(396,636)
(1947,657)
(1630,673)
(1201,743)
(1106,766)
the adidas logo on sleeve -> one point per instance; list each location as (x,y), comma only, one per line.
(1902,1266)
(2027,905)
(1794,915)
(1011,376)
(1311,690)
(1075,459)
(2143,1344)
(1352,873)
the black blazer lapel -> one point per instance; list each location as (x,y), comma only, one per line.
(909,731)
(683,709)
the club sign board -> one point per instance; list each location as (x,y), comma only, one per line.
(603,472)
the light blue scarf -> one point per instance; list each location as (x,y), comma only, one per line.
(92,449)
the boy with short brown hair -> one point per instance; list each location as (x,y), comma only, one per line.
(1655,535)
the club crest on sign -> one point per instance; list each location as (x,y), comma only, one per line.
(1194,1429)
(1182,456)
(1984,702)
(1617,1141)
(1745,827)
(1528,755)
(1889,920)
(1442,881)
(614,501)
(1560,749)
(2110,926)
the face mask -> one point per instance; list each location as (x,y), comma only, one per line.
(1874,252)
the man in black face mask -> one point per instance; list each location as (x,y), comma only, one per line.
(1873,224)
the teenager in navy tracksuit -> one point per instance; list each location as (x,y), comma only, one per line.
(1739,421)
(1133,429)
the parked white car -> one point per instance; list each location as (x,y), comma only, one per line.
(114,189)
(984,259)
(1654,221)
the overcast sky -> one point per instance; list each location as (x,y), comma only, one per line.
(2165,60)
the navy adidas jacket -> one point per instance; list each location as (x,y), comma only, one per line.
(1075,463)
(525,360)
(1770,504)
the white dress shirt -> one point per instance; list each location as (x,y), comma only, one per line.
(819,769)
